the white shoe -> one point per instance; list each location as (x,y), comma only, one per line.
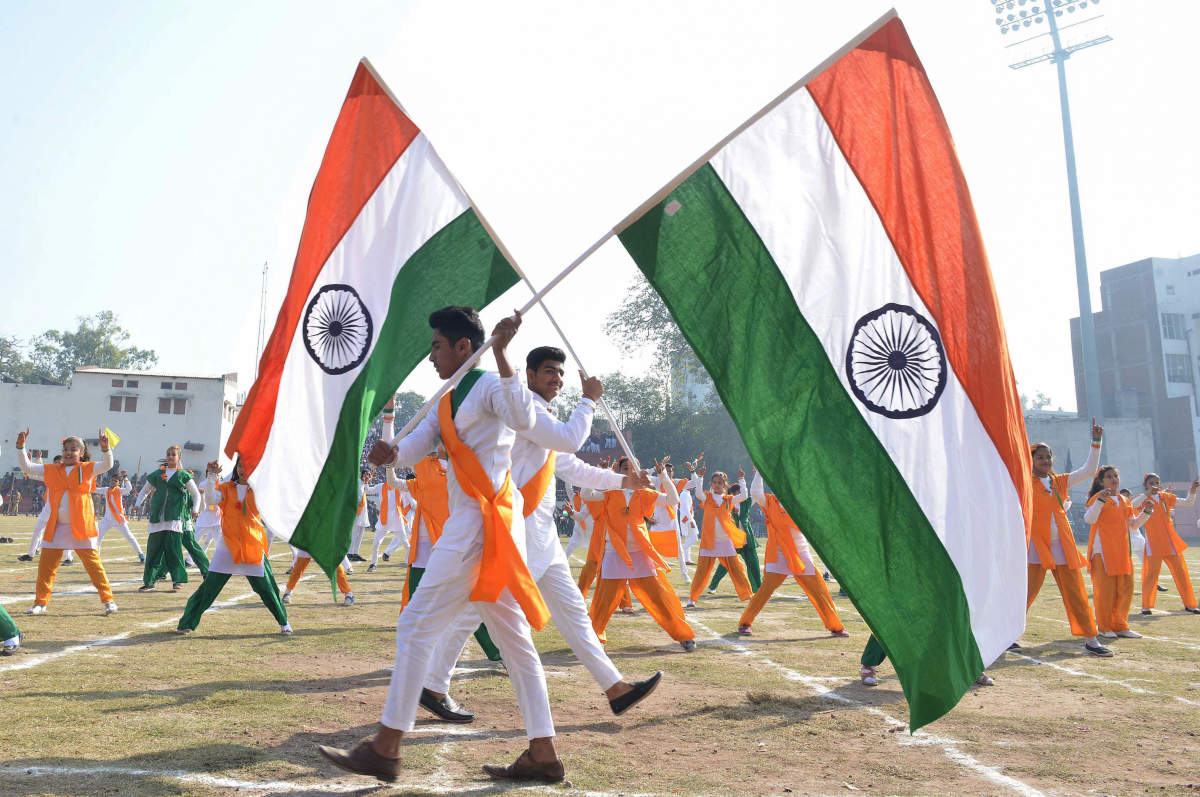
(349,571)
(690,605)
(110,607)
(287,596)
(712,592)
(286,630)
(36,609)
(371,568)
(985,680)
(1129,634)
(1107,635)
(349,601)
(867,674)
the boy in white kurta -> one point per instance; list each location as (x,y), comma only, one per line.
(478,424)
(114,512)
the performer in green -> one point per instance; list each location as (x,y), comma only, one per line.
(10,637)
(748,552)
(169,488)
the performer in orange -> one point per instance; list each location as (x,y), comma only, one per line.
(720,536)
(300,564)
(1052,543)
(630,558)
(1111,517)
(1163,543)
(787,554)
(72,522)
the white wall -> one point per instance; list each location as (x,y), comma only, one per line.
(52,412)
(1128,444)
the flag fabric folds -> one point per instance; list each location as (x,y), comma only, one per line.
(826,265)
(389,237)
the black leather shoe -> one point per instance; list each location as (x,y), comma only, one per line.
(446,708)
(525,768)
(1015,646)
(1161,588)
(24,558)
(641,689)
(362,760)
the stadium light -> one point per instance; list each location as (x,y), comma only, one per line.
(1070,26)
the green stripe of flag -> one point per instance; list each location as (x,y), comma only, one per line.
(458,265)
(807,437)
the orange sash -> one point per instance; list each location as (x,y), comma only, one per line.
(779,535)
(713,512)
(534,490)
(78,486)
(1113,528)
(113,495)
(362,498)
(621,517)
(241,525)
(502,564)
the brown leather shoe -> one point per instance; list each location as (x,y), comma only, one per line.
(363,760)
(525,768)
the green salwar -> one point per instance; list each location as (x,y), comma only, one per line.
(164,554)
(214,582)
(481,633)
(8,629)
(873,655)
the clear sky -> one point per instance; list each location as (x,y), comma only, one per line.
(154,155)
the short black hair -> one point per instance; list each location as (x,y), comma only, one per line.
(541,354)
(455,323)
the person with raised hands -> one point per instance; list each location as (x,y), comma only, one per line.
(1110,517)
(173,494)
(720,536)
(479,559)
(72,520)
(1163,545)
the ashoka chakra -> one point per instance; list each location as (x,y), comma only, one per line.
(895,362)
(337,329)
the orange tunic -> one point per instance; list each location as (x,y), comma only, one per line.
(1048,504)
(241,526)
(428,489)
(1112,528)
(78,486)
(622,518)
(113,496)
(714,512)
(1160,527)
(780,541)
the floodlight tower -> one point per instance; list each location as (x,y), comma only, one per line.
(1016,16)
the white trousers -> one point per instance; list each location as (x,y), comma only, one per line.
(580,538)
(398,538)
(103,528)
(570,616)
(397,541)
(442,596)
(355,539)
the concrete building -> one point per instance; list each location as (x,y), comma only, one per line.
(148,410)
(1147,341)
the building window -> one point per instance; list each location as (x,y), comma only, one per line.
(118,383)
(1173,326)
(181,385)
(131,383)
(1170,290)
(1178,368)
(131,403)
(164,406)
(180,406)
(114,403)
(165,385)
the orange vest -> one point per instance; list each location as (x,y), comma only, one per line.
(621,517)
(388,496)
(113,496)
(1160,528)
(241,525)
(1113,528)
(78,486)
(362,498)
(780,541)
(1049,504)
(714,511)
(534,490)
(502,564)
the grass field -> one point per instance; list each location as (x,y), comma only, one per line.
(123,705)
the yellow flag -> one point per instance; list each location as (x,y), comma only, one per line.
(112,437)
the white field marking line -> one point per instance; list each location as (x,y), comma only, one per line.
(950,747)
(1147,636)
(36,660)
(88,590)
(1135,689)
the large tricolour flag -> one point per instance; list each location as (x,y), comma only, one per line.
(388,238)
(826,265)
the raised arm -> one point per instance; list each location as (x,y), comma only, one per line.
(418,443)
(147,488)
(194,492)
(758,490)
(511,402)
(212,495)
(668,495)
(1191,496)
(1088,469)
(574,470)
(28,467)
(743,493)
(548,432)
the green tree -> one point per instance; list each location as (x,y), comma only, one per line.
(99,340)
(407,404)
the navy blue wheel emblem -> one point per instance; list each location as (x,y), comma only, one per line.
(895,362)
(337,329)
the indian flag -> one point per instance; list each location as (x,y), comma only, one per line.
(826,265)
(388,238)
